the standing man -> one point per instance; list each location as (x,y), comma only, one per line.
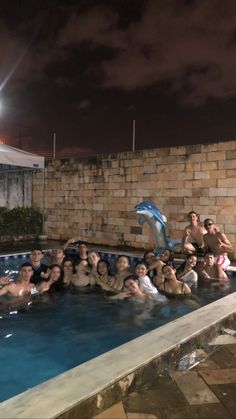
(217,243)
(192,240)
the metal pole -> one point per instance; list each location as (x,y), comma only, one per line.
(43,209)
(54,145)
(133,147)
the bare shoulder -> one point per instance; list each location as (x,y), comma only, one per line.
(186,289)
(201,226)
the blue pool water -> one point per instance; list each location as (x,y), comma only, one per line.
(57,332)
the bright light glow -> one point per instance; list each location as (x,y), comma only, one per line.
(16,64)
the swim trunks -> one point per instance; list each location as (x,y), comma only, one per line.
(222,261)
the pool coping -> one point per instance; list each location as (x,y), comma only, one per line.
(95,384)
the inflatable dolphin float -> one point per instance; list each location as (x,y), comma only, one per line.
(149,213)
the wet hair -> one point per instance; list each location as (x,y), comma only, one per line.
(26,265)
(123,256)
(209,254)
(141,263)
(182,266)
(56,286)
(167,264)
(107,265)
(55,265)
(67,259)
(60,248)
(81,242)
(79,261)
(131,276)
(37,249)
(171,257)
(146,253)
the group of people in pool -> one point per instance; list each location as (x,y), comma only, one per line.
(150,277)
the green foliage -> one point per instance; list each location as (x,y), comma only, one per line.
(18,221)
(200,344)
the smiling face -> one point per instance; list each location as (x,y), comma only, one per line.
(55,273)
(122,264)
(149,258)
(165,255)
(82,267)
(168,272)
(141,269)
(102,268)
(191,261)
(68,267)
(131,286)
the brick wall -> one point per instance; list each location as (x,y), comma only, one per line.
(95,198)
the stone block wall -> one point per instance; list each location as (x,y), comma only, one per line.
(95,198)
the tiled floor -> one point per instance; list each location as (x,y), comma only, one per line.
(206,391)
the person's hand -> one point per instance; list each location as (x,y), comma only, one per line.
(46,274)
(4,280)
(122,295)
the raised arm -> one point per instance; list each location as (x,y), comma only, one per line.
(225,244)
(4,280)
(70,241)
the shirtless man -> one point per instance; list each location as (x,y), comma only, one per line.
(210,270)
(22,286)
(192,240)
(217,243)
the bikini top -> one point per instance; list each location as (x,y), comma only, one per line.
(170,294)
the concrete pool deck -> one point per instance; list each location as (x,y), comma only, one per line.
(87,390)
(207,391)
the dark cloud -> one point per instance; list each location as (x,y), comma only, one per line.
(84,104)
(86,69)
(189,44)
(96,26)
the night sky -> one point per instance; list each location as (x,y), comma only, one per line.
(86,69)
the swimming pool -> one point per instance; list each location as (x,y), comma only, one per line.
(56,333)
